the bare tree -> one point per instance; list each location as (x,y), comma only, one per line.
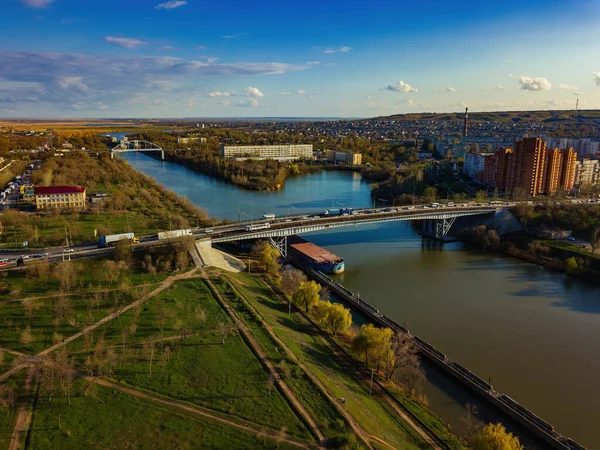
(469,420)
(26,336)
(165,356)
(8,396)
(270,383)
(148,349)
(281,435)
(291,279)
(223,330)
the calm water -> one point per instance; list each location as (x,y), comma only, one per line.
(534,331)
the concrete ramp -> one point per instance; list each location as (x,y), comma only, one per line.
(195,254)
(211,257)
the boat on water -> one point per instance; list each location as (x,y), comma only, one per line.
(318,258)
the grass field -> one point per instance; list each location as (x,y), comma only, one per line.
(300,337)
(330,421)
(123,421)
(200,370)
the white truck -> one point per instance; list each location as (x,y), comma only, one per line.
(173,234)
(112,239)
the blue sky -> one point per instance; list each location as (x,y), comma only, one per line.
(225,58)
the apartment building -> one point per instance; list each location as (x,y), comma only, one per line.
(276,152)
(60,197)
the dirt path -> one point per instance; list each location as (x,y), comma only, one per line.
(268,364)
(364,378)
(12,352)
(365,437)
(198,411)
(23,414)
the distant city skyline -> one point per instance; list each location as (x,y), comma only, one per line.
(209,58)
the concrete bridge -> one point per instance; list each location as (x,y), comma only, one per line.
(436,223)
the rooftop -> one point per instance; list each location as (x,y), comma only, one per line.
(59,190)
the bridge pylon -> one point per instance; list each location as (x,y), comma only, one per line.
(280,244)
(437,228)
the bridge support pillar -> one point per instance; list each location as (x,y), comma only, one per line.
(280,244)
(112,154)
(162,155)
(437,228)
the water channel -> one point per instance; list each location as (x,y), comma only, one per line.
(535,332)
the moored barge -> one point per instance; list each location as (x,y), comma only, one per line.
(318,258)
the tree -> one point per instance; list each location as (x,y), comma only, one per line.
(123,251)
(471,424)
(307,295)
(148,349)
(595,237)
(339,319)
(268,257)
(495,437)
(26,336)
(372,342)
(223,330)
(66,274)
(291,279)
(8,396)
(430,193)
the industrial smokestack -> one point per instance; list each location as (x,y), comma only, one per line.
(466,125)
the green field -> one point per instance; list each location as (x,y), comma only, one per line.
(300,337)
(116,420)
(329,420)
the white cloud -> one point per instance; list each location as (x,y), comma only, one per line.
(73,83)
(284,93)
(201,47)
(169,47)
(172,4)
(577,93)
(313,63)
(124,42)
(254,92)
(597,78)
(400,87)
(230,36)
(58,80)
(410,101)
(37,3)
(533,84)
(499,87)
(336,50)
(566,86)
(190,103)
(445,90)
(248,103)
(300,92)
(222,94)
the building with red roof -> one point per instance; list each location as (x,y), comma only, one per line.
(59,197)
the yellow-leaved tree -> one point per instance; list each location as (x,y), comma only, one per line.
(495,437)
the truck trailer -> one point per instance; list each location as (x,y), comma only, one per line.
(112,239)
(173,234)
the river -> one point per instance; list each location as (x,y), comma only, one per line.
(535,332)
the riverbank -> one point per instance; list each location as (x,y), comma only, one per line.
(545,253)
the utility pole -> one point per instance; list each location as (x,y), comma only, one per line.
(371,386)
(67,242)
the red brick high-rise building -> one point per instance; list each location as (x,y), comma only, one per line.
(531,168)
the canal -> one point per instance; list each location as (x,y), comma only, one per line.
(533,331)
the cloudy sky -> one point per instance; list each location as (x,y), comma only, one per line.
(325,58)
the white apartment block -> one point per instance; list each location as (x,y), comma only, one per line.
(277,152)
(587,171)
(474,163)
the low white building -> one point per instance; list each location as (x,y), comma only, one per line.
(277,152)
(474,163)
(587,171)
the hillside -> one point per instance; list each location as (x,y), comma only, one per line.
(561,116)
